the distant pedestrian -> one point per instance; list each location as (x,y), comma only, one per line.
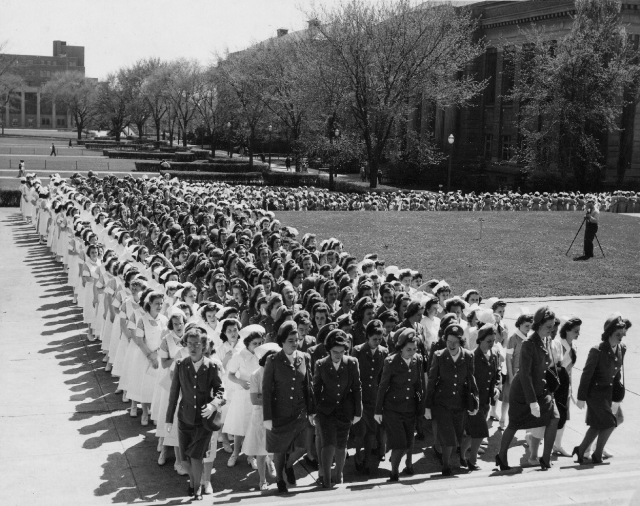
(362,173)
(165,165)
(53,150)
(70,143)
(287,164)
(21,169)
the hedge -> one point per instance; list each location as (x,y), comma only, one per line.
(234,161)
(246,178)
(10,198)
(293,179)
(235,168)
(138,155)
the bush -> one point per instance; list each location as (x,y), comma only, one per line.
(292,179)
(246,178)
(10,198)
(236,168)
(137,155)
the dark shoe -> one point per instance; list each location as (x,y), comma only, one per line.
(359,466)
(408,470)
(313,464)
(291,476)
(282,487)
(544,465)
(197,496)
(393,477)
(504,466)
(596,460)
(447,471)
(576,452)
(473,467)
(190,492)
(464,462)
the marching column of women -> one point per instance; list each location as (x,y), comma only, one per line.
(223,329)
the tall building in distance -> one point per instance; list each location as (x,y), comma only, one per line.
(35,111)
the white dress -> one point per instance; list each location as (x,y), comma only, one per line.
(242,365)
(130,313)
(143,377)
(90,274)
(229,389)
(255,441)
(114,339)
(170,347)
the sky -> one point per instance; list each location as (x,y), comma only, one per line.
(117,33)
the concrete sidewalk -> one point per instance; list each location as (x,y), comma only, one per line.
(65,437)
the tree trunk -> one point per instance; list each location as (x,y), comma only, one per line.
(251,149)
(157,122)
(140,127)
(79,126)
(213,148)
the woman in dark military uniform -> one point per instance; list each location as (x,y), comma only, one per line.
(486,371)
(371,356)
(362,315)
(451,383)
(531,404)
(600,374)
(287,402)
(338,394)
(401,398)
(199,377)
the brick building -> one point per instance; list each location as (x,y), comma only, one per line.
(31,109)
(485,135)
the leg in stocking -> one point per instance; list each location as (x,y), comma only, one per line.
(589,438)
(396,456)
(549,438)
(473,451)
(341,456)
(279,460)
(602,440)
(446,456)
(262,468)
(196,471)
(326,459)
(507,437)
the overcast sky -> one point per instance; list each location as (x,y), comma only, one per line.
(117,33)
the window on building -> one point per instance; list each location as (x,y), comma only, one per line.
(490,68)
(488,146)
(508,71)
(46,121)
(506,147)
(14,122)
(61,122)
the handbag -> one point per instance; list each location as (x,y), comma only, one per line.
(214,422)
(618,387)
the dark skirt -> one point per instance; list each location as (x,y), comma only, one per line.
(285,437)
(400,428)
(367,426)
(334,430)
(450,424)
(194,440)
(476,426)
(599,413)
(520,416)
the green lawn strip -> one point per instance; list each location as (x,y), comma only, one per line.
(521,254)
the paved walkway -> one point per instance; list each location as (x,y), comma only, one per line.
(65,437)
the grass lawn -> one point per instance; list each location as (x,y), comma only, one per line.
(520,254)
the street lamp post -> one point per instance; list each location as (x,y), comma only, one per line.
(451,141)
(336,134)
(229,133)
(270,128)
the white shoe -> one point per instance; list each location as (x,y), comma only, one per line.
(108,367)
(606,454)
(124,397)
(162,459)
(207,488)
(253,463)
(561,451)
(533,462)
(144,420)
(271,469)
(105,359)
(232,460)
(227,447)
(133,412)
(179,468)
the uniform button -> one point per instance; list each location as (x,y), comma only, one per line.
(369,384)
(455,375)
(407,388)
(292,388)
(453,392)
(409,370)
(290,397)
(407,398)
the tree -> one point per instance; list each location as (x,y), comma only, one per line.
(244,89)
(133,79)
(387,54)
(571,93)
(211,109)
(152,90)
(78,94)
(10,83)
(112,103)
(183,83)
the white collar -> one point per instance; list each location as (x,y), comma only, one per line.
(520,334)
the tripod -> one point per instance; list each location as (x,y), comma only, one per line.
(578,232)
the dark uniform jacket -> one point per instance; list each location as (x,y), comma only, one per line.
(487,374)
(286,387)
(370,371)
(306,344)
(358,335)
(438,345)
(602,368)
(198,388)
(399,384)
(535,359)
(338,391)
(316,353)
(450,382)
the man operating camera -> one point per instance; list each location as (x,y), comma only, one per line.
(591,217)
